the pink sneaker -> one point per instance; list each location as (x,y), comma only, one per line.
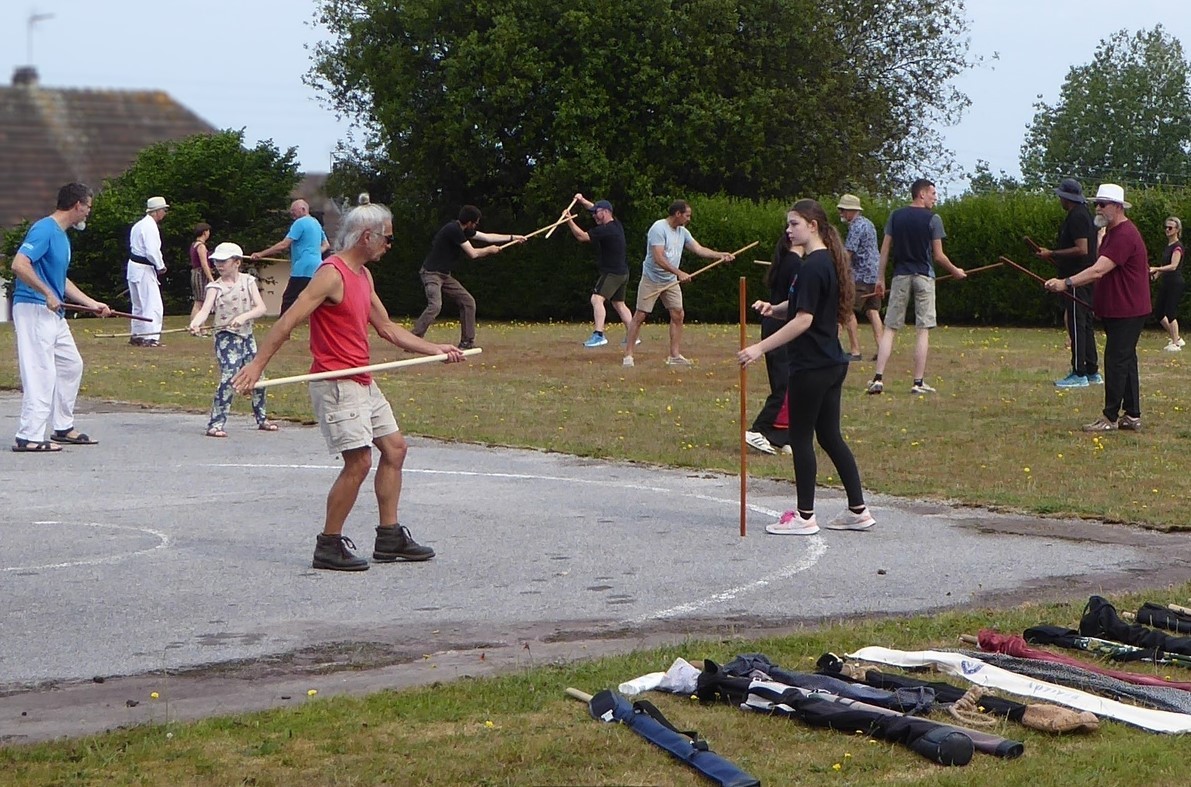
(791,524)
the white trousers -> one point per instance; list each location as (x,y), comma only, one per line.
(51,370)
(146,300)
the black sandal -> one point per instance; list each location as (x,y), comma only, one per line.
(65,437)
(22,446)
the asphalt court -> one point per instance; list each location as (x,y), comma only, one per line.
(163,550)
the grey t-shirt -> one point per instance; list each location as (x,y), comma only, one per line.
(674,241)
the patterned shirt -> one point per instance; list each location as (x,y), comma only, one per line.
(232,300)
(862,242)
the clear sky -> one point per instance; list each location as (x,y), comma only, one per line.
(239,63)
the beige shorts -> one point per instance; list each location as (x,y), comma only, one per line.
(648,292)
(351,415)
(922,288)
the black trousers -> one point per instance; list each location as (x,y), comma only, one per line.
(815,413)
(778,369)
(292,291)
(1079,327)
(1122,390)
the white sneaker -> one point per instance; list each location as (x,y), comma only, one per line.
(678,360)
(849,520)
(788,449)
(922,388)
(1173,347)
(760,442)
(791,524)
(1182,342)
(628,361)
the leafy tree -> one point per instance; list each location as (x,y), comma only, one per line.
(982,181)
(240,192)
(1125,117)
(514,103)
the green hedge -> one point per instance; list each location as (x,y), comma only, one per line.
(551,279)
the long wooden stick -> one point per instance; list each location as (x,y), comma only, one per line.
(80,308)
(582,696)
(763,262)
(734,254)
(563,220)
(564,213)
(744,473)
(1034,247)
(376,367)
(265,259)
(1033,275)
(973,270)
(126,335)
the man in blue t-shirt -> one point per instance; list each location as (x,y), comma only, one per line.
(607,236)
(306,242)
(914,234)
(51,367)
(661,277)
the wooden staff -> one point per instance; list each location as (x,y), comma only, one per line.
(582,696)
(743,406)
(675,283)
(763,262)
(563,220)
(125,335)
(250,258)
(376,367)
(1033,275)
(973,270)
(1034,247)
(564,213)
(80,308)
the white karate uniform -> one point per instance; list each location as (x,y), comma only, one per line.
(51,370)
(143,288)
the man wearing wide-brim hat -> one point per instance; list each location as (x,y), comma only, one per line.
(861,247)
(1122,302)
(145,265)
(1076,250)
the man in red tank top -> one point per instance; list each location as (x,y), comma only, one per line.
(353,414)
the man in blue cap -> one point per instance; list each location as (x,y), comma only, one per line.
(607,236)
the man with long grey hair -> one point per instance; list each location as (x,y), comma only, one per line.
(353,414)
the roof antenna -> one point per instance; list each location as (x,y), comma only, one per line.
(34,18)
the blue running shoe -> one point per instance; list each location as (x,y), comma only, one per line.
(1095,379)
(1072,380)
(596,340)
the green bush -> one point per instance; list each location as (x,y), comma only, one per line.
(551,279)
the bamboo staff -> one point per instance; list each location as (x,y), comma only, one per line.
(126,335)
(743,406)
(1034,247)
(80,308)
(564,213)
(376,367)
(1033,275)
(763,262)
(250,258)
(563,220)
(973,270)
(720,261)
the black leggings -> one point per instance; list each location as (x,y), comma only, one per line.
(815,412)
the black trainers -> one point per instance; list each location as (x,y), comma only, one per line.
(335,553)
(394,541)
(467,344)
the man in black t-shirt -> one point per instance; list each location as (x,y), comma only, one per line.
(1076,250)
(449,243)
(608,238)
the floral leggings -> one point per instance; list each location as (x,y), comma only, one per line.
(233,351)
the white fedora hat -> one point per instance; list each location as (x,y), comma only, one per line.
(1111,192)
(155,203)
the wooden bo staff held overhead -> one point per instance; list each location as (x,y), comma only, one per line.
(561,215)
(1033,275)
(80,308)
(734,254)
(376,367)
(973,270)
(539,231)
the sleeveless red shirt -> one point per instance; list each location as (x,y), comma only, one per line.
(339,331)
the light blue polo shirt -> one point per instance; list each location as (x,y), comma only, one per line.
(48,248)
(306,251)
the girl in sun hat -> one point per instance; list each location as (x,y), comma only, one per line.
(236,301)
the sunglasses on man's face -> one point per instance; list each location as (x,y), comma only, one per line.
(1171,227)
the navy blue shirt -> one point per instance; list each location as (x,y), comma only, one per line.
(610,247)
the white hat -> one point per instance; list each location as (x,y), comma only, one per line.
(849,202)
(1111,192)
(225,251)
(155,203)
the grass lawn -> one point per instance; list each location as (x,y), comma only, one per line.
(996,434)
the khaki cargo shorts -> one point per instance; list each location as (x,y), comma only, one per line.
(649,291)
(351,415)
(922,288)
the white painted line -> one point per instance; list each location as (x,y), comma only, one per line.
(163,542)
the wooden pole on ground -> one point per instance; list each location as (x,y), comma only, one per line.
(376,367)
(744,476)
